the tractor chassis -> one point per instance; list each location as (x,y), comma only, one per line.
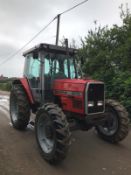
(87,122)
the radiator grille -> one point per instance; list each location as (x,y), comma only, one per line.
(95,94)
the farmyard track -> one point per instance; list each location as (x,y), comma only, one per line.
(88,154)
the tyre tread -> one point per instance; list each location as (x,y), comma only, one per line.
(62,132)
(123,128)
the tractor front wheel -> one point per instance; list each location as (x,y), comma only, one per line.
(52,133)
(115,128)
(19,107)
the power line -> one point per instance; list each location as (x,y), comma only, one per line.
(59,15)
(35,36)
(73,7)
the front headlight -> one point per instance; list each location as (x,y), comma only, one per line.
(90,104)
(100,103)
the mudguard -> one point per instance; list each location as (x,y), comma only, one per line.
(25,84)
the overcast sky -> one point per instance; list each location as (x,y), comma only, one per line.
(21,20)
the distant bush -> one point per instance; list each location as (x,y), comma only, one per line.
(5,86)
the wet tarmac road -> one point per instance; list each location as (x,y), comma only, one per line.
(88,154)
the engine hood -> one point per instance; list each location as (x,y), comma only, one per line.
(72,84)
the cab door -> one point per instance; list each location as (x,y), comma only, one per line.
(32,72)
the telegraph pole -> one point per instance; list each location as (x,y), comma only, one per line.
(58,29)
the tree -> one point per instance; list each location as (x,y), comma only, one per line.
(106,55)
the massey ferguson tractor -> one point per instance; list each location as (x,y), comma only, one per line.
(54,90)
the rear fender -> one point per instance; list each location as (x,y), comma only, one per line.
(25,84)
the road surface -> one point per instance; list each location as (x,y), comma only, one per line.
(88,154)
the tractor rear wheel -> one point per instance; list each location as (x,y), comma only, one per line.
(52,133)
(19,108)
(115,128)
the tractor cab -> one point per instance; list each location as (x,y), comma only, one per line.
(46,63)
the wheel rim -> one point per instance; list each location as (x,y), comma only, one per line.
(110,127)
(14,108)
(45,134)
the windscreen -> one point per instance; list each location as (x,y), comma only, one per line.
(61,66)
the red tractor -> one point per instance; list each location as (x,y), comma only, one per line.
(54,90)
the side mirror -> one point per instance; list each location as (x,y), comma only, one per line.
(35,55)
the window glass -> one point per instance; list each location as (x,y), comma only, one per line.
(34,69)
(72,69)
(47,66)
(66,68)
(56,66)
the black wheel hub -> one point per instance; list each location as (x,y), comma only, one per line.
(111,124)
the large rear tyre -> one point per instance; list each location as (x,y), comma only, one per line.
(19,108)
(115,128)
(52,133)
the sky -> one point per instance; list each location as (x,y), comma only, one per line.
(21,20)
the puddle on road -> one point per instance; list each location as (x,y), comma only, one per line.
(4,98)
(30,127)
(4,104)
(10,124)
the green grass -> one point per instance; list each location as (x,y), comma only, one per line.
(6,86)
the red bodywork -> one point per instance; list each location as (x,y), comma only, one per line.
(72,94)
(26,86)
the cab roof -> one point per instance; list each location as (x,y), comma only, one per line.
(50,48)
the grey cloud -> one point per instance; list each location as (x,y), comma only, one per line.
(21,19)
(14,67)
(16,15)
(5,50)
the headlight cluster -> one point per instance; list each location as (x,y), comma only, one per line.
(92,104)
(100,103)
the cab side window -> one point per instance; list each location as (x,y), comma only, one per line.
(32,71)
